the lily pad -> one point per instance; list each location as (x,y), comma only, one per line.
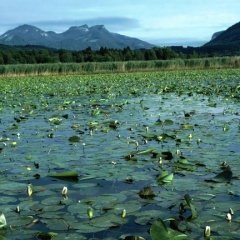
(146,192)
(223,177)
(74,139)
(160,231)
(65,175)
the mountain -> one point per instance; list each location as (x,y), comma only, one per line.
(216,34)
(75,38)
(229,38)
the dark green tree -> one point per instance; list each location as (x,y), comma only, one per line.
(65,56)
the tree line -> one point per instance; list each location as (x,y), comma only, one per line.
(39,55)
(31,55)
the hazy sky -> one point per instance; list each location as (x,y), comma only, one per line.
(156,21)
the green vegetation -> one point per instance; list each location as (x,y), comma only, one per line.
(40,55)
(148,155)
(14,55)
(118,67)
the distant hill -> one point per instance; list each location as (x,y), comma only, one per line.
(216,34)
(229,38)
(75,38)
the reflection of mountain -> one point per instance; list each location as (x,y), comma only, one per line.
(75,38)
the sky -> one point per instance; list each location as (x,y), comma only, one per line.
(161,22)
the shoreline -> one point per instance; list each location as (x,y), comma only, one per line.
(61,69)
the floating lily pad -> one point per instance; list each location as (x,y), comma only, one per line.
(160,231)
(107,221)
(225,176)
(74,139)
(146,192)
(65,175)
(174,107)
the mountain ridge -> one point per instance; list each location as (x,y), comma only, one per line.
(75,38)
(229,37)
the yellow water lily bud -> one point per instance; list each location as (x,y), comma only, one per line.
(190,136)
(147,128)
(14,144)
(64,191)
(29,190)
(198,141)
(91,132)
(207,231)
(160,162)
(159,138)
(124,213)
(90,212)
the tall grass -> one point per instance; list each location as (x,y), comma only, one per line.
(111,67)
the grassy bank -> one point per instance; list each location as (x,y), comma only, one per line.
(118,67)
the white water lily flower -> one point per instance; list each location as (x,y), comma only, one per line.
(29,190)
(178,152)
(3,222)
(207,231)
(229,217)
(17,209)
(64,191)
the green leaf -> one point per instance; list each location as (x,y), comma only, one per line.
(159,231)
(187,126)
(168,178)
(69,174)
(149,136)
(146,192)
(166,122)
(164,177)
(74,139)
(150,150)
(223,177)
(183,161)
(28,157)
(189,202)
